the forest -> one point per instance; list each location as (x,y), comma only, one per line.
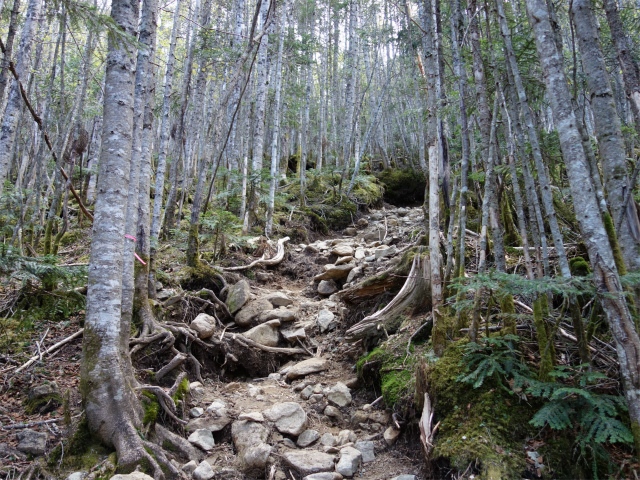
(318,240)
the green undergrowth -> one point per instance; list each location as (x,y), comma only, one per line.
(81,452)
(402,187)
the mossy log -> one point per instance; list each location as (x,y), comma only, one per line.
(415,293)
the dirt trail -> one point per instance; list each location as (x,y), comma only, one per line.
(318,426)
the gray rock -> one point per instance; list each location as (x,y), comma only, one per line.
(325,320)
(165,294)
(339,394)
(362,223)
(251,310)
(238,295)
(307,462)
(350,461)
(202,438)
(245,435)
(30,441)
(294,335)
(360,253)
(391,435)
(281,314)
(263,277)
(306,392)
(358,417)
(385,252)
(132,476)
(256,456)
(335,272)
(346,436)
(211,423)
(353,274)
(327,287)
(196,412)
(324,476)
(350,232)
(287,442)
(252,416)
(203,471)
(342,250)
(404,477)
(77,476)
(307,437)
(376,234)
(190,467)
(333,412)
(307,367)
(279,299)
(367,450)
(328,440)
(316,398)
(343,260)
(276,377)
(204,324)
(289,418)
(265,334)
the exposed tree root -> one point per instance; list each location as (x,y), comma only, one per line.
(415,293)
(263,261)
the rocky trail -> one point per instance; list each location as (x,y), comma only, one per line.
(294,408)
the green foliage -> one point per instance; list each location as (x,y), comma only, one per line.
(579,267)
(402,187)
(221,227)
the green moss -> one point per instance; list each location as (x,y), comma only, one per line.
(485,427)
(151,408)
(202,276)
(34,405)
(82,452)
(402,187)
(511,235)
(615,246)
(182,390)
(579,267)
(508,310)
(73,237)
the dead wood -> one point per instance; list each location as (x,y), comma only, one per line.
(263,260)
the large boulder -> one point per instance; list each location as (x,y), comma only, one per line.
(307,367)
(204,324)
(250,440)
(289,417)
(238,295)
(250,312)
(265,334)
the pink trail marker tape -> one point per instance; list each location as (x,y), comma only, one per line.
(134,239)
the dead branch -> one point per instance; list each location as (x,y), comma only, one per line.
(247,342)
(51,349)
(426,431)
(263,261)
(17,426)
(175,362)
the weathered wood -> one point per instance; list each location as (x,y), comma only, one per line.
(263,261)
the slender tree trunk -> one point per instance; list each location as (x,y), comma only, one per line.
(14,103)
(606,279)
(8,50)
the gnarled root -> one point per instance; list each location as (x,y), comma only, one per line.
(263,261)
(416,293)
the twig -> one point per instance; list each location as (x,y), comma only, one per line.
(427,322)
(51,349)
(17,426)
(246,342)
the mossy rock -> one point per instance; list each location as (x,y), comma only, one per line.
(402,187)
(82,452)
(485,426)
(202,276)
(579,267)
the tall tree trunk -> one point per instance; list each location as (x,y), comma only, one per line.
(14,103)
(8,50)
(606,279)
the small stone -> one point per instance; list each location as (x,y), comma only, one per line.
(289,418)
(358,417)
(203,471)
(362,223)
(246,433)
(132,476)
(189,467)
(325,320)
(204,325)
(307,462)
(353,274)
(238,295)
(367,450)
(327,287)
(359,254)
(287,442)
(380,416)
(196,412)
(293,336)
(335,272)
(333,412)
(251,310)
(391,435)
(317,388)
(76,476)
(316,398)
(385,252)
(307,367)
(279,299)
(350,232)
(339,394)
(311,249)
(256,456)
(30,441)
(307,437)
(202,438)
(324,476)
(404,477)
(328,440)
(263,277)
(252,416)
(343,260)
(342,250)
(218,408)
(274,376)
(350,461)
(346,436)
(266,334)
(306,392)
(281,314)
